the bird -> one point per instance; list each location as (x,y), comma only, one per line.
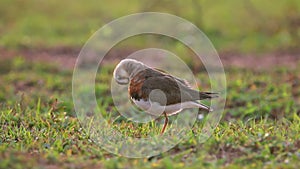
(153,89)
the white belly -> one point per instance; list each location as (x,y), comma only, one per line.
(156,109)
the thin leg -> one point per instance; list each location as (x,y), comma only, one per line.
(165,124)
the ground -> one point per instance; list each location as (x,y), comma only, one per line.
(67,56)
(259,128)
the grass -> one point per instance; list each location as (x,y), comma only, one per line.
(39,129)
(251,26)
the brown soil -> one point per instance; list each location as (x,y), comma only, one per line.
(66,57)
(261,61)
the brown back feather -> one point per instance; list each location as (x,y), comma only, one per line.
(176,90)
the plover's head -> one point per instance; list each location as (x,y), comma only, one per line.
(126,69)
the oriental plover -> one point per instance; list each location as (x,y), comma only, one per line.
(154,90)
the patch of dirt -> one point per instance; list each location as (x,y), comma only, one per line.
(66,57)
(261,61)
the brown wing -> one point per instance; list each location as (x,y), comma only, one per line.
(196,95)
(176,90)
(164,73)
(136,83)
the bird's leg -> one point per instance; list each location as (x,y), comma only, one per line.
(165,124)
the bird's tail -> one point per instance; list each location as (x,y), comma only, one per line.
(203,106)
(208,95)
(204,95)
(196,95)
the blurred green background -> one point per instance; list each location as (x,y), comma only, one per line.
(233,25)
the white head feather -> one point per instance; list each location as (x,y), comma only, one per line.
(126,69)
